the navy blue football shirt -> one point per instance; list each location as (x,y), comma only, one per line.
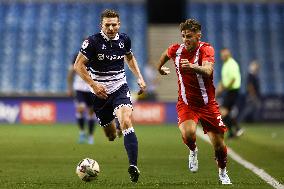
(106,59)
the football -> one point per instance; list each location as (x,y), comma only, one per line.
(88,169)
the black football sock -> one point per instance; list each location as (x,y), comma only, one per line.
(131,145)
(91,124)
(80,121)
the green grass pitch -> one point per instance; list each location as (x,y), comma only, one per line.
(41,156)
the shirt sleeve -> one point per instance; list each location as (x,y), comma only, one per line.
(171,53)
(128,45)
(208,54)
(88,48)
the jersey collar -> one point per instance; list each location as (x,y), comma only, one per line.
(106,37)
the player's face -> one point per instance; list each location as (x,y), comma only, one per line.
(110,26)
(190,39)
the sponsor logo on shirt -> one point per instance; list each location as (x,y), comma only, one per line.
(109,57)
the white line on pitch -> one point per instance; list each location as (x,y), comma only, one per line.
(259,172)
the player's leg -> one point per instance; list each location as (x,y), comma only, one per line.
(188,132)
(89,100)
(123,114)
(187,121)
(118,128)
(80,115)
(80,111)
(104,112)
(91,125)
(213,125)
(217,140)
(110,130)
(130,140)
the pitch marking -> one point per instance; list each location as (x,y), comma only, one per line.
(259,172)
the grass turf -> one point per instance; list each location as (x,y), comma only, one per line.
(46,157)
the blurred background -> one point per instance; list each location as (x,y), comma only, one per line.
(38,39)
(38,131)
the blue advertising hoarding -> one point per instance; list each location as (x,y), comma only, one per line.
(61,110)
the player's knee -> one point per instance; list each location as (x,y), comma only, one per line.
(190,134)
(126,123)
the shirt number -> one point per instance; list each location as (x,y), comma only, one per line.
(221,123)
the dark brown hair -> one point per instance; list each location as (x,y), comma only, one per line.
(108,13)
(190,24)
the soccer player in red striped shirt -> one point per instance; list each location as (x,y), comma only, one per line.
(194,63)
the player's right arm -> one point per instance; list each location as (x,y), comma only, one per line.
(80,68)
(163,60)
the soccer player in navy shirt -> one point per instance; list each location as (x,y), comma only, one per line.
(100,63)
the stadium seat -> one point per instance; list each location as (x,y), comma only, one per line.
(40,40)
(252,31)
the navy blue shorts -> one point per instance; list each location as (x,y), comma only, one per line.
(85,97)
(105,108)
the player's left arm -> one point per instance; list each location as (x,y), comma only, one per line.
(133,66)
(207,66)
(205,69)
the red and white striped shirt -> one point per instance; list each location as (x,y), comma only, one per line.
(194,89)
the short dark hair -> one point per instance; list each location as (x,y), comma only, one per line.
(190,24)
(108,13)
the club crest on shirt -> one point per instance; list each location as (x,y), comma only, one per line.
(101,56)
(85,44)
(121,44)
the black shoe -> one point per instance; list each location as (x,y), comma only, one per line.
(134,173)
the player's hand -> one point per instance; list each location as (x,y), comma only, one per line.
(142,86)
(164,70)
(185,65)
(100,91)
